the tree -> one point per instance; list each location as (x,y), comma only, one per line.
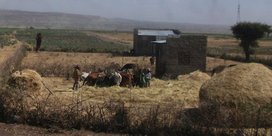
(249,33)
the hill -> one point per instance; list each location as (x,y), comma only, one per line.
(22,19)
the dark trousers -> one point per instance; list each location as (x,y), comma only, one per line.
(38,45)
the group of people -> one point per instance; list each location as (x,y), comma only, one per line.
(144,76)
(141,78)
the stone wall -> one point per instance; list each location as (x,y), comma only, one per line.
(181,55)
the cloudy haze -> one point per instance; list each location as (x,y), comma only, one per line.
(185,11)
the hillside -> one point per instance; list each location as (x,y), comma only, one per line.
(13,18)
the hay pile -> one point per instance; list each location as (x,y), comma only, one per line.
(183,91)
(197,76)
(26,80)
(239,96)
(163,101)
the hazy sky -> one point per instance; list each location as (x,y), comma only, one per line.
(190,11)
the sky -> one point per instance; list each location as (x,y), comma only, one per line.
(222,12)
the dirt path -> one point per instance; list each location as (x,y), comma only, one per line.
(8,50)
(118,38)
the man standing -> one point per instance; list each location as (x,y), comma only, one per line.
(76,77)
(38,41)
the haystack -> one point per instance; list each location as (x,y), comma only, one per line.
(196,75)
(26,80)
(240,96)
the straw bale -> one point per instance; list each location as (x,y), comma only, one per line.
(26,80)
(241,94)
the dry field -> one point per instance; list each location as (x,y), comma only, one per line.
(181,93)
(176,92)
(59,63)
(127,37)
(220,42)
(162,103)
(63,62)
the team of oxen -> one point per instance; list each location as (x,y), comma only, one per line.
(129,75)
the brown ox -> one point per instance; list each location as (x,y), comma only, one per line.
(127,79)
(93,78)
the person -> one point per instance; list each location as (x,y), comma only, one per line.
(142,81)
(76,77)
(38,41)
(148,77)
(152,61)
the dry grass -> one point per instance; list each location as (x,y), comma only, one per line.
(7,51)
(108,109)
(59,64)
(176,92)
(126,37)
(221,42)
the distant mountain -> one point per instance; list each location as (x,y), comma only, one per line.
(22,19)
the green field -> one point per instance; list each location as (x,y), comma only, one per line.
(69,41)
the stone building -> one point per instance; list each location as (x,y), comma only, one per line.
(142,44)
(181,55)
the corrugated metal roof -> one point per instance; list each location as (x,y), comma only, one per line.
(156,32)
(159,42)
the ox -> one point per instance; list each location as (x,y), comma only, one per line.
(94,78)
(101,79)
(127,79)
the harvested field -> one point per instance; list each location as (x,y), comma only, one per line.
(175,92)
(91,105)
(107,109)
(59,63)
(213,40)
